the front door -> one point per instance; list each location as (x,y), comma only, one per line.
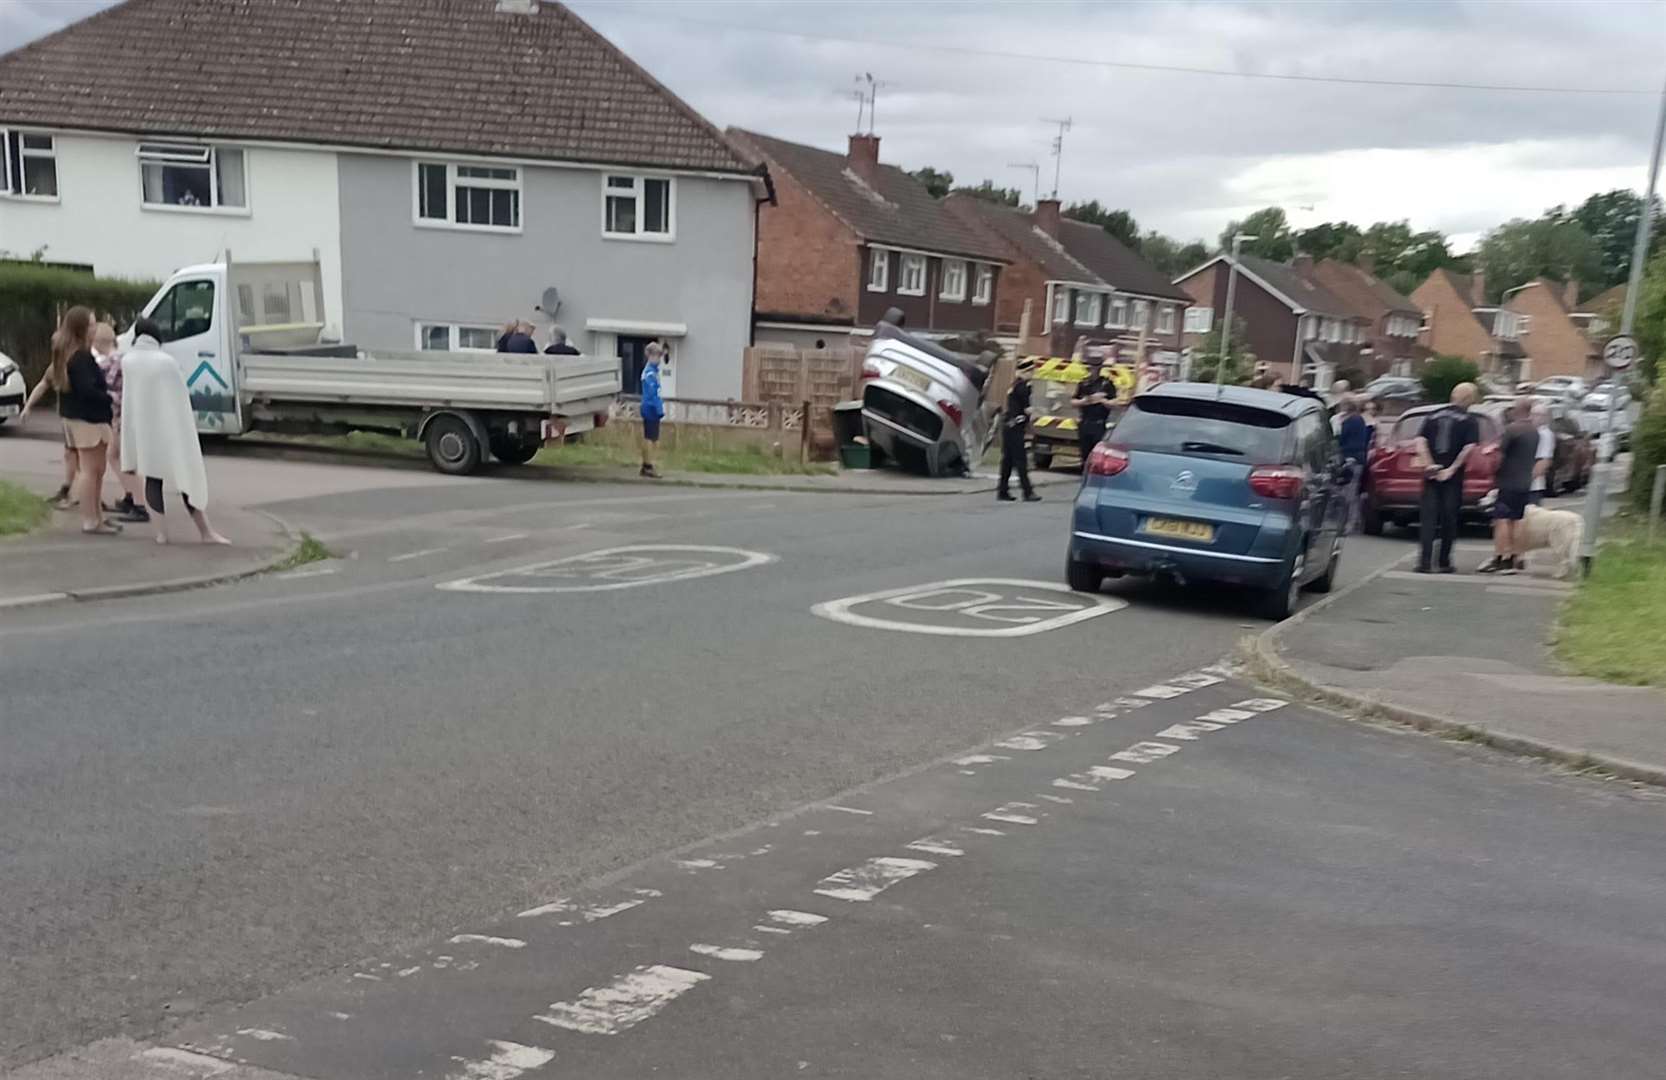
(633,357)
(186,315)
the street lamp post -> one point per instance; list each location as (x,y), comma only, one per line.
(1231,293)
(1598,491)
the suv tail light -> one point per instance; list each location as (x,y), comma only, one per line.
(870,370)
(1276,481)
(1107,460)
(951,410)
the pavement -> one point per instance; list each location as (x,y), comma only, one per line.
(1470,654)
(289,826)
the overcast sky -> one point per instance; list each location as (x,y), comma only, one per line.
(1184,152)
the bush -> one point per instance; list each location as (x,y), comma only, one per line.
(1442,373)
(1648,447)
(32,295)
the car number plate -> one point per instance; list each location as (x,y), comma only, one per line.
(1184,530)
(9,411)
(913,378)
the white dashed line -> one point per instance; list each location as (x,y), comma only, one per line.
(1074,785)
(486,939)
(508,1061)
(1022,742)
(506,539)
(1188,731)
(1003,813)
(1161,691)
(982,831)
(625,1002)
(263,1035)
(931,845)
(849,810)
(862,883)
(1143,753)
(1109,772)
(1126,703)
(417,554)
(1073,721)
(1196,680)
(771,929)
(719,952)
(805,919)
(1261,704)
(1057,798)
(698,864)
(1226,716)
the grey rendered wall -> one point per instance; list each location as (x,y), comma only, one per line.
(395,273)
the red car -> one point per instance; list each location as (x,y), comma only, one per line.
(1394,485)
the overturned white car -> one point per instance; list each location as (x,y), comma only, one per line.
(923,405)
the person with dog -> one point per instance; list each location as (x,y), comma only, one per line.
(1518,461)
(1450,435)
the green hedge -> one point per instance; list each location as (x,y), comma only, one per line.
(1648,448)
(31,297)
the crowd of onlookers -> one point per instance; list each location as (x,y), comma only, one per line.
(126,411)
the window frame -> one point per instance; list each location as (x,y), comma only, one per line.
(518,185)
(1165,318)
(171,297)
(1199,320)
(1114,320)
(454,333)
(210,162)
(1061,295)
(983,285)
(907,261)
(1089,308)
(1140,315)
(879,259)
(957,296)
(639,190)
(11,138)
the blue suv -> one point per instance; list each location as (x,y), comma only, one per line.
(1205,483)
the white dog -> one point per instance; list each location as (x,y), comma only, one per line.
(1561,531)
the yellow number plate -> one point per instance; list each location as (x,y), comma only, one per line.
(1185,530)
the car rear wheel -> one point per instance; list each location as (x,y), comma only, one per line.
(1083,577)
(1327,581)
(1279,601)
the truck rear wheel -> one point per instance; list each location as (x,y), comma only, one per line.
(452,447)
(514,450)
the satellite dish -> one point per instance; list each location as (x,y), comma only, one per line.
(550,303)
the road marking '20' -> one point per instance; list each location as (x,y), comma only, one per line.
(970,607)
(615,568)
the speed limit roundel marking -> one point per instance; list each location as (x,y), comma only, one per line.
(971,607)
(1620,352)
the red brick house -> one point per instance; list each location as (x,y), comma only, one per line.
(1394,320)
(1560,336)
(1293,326)
(849,238)
(1080,282)
(1457,321)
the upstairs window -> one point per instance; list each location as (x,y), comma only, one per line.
(486,197)
(637,207)
(954,280)
(1119,314)
(179,176)
(879,270)
(983,290)
(912,280)
(1087,309)
(28,165)
(1142,315)
(1061,305)
(1199,320)
(1165,319)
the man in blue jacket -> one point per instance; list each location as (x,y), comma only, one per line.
(653,408)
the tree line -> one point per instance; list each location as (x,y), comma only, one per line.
(1590,243)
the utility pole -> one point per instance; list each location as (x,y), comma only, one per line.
(1058,149)
(1035,174)
(1231,294)
(1598,491)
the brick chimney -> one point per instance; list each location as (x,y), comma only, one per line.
(863,158)
(1570,294)
(1047,216)
(1478,289)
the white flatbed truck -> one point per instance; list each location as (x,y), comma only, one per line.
(247,338)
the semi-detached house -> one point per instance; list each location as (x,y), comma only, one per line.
(849,238)
(443,163)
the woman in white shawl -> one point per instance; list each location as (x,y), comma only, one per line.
(159,431)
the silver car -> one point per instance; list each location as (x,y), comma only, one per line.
(922,405)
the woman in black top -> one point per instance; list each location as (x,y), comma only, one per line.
(86,409)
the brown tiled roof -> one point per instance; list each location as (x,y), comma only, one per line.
(1108,257)
(1370,296)
(1017,228)
(1608,299)
(900,212)
(430,75)
(1308,294)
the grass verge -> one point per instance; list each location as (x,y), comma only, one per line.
(309,550)
(21,510)
(1614,626)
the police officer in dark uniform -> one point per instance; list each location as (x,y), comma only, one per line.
(1093,400)
(1015,425)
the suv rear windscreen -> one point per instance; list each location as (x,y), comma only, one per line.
(1176,425)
